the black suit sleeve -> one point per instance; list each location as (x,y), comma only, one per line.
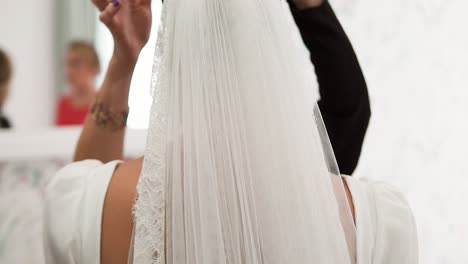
(344,98)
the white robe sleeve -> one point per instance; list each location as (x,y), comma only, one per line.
(395,230)
(74,200)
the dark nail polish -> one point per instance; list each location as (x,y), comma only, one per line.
(116,3)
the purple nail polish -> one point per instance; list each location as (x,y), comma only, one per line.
(116,3)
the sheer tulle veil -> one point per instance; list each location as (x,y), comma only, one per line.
(238,168)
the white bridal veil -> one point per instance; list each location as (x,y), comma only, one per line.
(236,170)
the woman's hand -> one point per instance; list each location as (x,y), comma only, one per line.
(129,21)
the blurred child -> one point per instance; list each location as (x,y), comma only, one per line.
(81,69)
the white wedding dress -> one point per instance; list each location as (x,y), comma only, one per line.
(238,168)
(385,229)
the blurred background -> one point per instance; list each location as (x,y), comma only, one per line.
(414,54)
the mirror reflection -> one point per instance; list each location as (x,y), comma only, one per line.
(74,53)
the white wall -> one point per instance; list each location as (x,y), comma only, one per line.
(415,56)
(27,33)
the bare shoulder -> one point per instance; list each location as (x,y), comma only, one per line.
(117,222)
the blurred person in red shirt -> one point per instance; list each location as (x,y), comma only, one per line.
(81,69)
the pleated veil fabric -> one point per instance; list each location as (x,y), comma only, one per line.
(238,168)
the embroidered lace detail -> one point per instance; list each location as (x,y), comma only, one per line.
(149,209)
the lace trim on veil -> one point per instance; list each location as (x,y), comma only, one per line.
(152,183)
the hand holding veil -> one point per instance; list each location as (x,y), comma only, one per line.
(129,22)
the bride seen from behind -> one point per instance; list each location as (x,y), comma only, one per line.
(234,171)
